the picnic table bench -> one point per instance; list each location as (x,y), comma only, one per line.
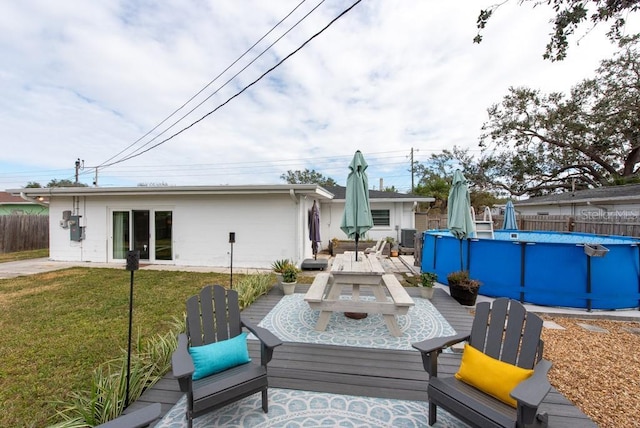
(324,293)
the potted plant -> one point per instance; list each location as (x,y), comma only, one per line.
(427,281)
(278,267)
(463,288)
(289,278)
(393,252)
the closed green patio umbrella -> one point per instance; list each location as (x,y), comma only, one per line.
(357,219)
(459,218)
(510,217)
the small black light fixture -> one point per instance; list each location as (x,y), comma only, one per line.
(232,240)
(133,264)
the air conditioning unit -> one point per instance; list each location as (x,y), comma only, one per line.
(407,238)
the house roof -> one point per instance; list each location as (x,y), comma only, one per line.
(339,193)
(313,190)
(290,189)
(627,193)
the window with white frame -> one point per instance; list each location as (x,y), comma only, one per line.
(381,217)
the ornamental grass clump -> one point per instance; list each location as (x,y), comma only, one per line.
(279,266)
(106,400)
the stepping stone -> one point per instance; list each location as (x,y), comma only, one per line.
(552,325)
(633,330)
(593,328)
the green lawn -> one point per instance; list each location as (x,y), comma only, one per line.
(58,327)
(23,255)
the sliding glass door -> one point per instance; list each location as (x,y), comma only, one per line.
(163,247)
(120,234)
(135,230)
(141,233)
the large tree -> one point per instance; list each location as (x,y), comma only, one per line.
(535,143)
(569,16)
(307,177)
(435,176)
(55,183)
(64,183)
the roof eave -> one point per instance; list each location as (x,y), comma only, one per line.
(304,189)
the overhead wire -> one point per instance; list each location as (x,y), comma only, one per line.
(241,91)
(106,164)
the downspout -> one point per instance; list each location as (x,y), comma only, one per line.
(298,222)
(292,193)
(33,200)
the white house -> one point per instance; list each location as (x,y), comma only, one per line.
(590,204)
(192,225)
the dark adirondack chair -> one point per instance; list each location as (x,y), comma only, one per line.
(506,332)
(214,316)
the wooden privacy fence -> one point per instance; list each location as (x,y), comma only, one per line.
(23,232)
(556,223)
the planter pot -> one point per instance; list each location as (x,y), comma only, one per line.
(288,287)
(394,253)
(426,292)
(464,296)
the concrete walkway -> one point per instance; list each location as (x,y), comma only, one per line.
(35,266)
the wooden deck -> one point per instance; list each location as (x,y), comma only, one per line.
(359,371)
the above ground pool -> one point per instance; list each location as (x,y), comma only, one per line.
(574,270)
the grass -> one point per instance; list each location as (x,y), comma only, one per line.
(58,327)
(24,255)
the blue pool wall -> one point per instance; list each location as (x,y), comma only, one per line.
(544,268)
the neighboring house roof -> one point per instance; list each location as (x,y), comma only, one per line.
(627,193)
(8,199)
(379,196)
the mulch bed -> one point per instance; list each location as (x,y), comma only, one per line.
(598,372)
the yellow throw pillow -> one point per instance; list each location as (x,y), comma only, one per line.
(491,376)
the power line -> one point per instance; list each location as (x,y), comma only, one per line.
(104,164)
(239,92)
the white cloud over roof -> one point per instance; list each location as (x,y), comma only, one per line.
(87,79)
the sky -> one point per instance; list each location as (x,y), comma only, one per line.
(93,80)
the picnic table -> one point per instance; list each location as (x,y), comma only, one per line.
(324,294)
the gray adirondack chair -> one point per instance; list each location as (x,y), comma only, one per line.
(212,316)
(504,331)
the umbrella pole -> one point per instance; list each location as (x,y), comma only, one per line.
(461,263)
(357,236)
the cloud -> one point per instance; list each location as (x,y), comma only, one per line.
(88,79)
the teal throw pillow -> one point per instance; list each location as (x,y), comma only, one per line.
(219,356)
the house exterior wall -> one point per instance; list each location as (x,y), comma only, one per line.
(400,214)
(267,227)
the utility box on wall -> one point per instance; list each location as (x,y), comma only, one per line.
(75,231)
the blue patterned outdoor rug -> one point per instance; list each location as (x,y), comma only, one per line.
(291,408)
(292,320)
